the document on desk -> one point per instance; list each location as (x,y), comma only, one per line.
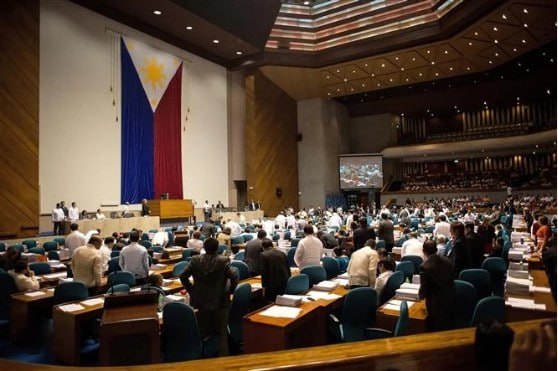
(35,294)
(525,303)
(322,295)
(255,286)
(93,302)
(71,307)
(341,281)
(281,312)
(158,267)
(540,289)
(53,276)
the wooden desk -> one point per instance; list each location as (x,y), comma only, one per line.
(68,331)
(130,335)
(387,318)
(26,311)
(109,226)
(514,314)
(171,209)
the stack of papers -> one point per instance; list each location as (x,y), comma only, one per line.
(525,303)
(35,294)
(325,286)
(396,250)
(54,276)
(517,286)
(63,280)
(515,255)
(344,276)
(395,305)
(93,302)
(288,300)
(341,281)
(281,312)
(518,274)
(167,282)
(416,279)
(177,298)
(408,291)
(158,266)
(256,286)
(320,295)
(515,267)
(71,307)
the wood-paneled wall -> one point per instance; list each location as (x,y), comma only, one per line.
(19,118)
(271,145)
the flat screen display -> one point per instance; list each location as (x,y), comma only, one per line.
(360,171)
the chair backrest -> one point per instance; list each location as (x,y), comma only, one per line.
(243,269)
(401,325)
(36,250)
(7,288)
(187,253)
(116,278)
(294,242)
(393,283)
(407,268)
(238,240)
(247,237)
(29,243)
(18,247)
(331,266)
(359,312)
(40,268)
(121,287)
(2,246)
(146,244)
(240,307)
(381,244)
(114,265)
(465,302)
(240,255)
(179,268)
(316,273)
(480,278)
(415,259)
(61,241)
(488,309)
(50,246)
(297,285)
(53,255)
(506,249)
(496,267)
(290,256)
(70,291)
(115,253)
(343,263)
(180,336)
(221,249)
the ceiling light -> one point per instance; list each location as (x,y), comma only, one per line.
(402,69)
(548,91)
(363,85)
(157,12)
(337,71)
(189,28)
(485,103)
(428,111)
(414,59)
(455,107)
(215,41)
(517,98)
(352,89)
(476,33)
(495,41)
(496,54)
(328,93)
(468,68)
(379,84)
(307,3)
(354,71)
(525,25)
(327,77)
(345,80)
(470,43)
(515,49)
(396,58)
(524,41)
(383,65)
(366,65)
(407,79)
(437,73)
(490,62)
(432,62)
(504,16)
(239,53)
(445,52)
(420,74)
(338,89)
(451,68)
(373,75)
(525,10)
(495,28)
(428,51)
(390,80)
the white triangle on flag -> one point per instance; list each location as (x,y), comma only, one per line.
(155,69)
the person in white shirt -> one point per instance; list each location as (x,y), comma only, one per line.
(125,209)
(280,220)
(73,212)
(441,244)
(269,227)
(195,242)
(236,229)
(241,218)
(469,217)
(105,251)
(290,220)
(442,227)
(206,210)
(91,233)
(386,268)
(75,239)
(57,220)
(335,221)
(24,278)
(429,212)
(412,246)
(99,215)
(309,250)
(161,239)
(350,218)
(362,266)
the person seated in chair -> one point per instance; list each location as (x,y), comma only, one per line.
(24,278)
(386,268)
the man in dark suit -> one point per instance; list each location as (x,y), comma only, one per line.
(275,270)
(253,250)
(252,205)
(436,287)
(209,293)
(385,231)
(363,234)
(474,245)
(145,211)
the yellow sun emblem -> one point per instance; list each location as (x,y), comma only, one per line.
(153,73)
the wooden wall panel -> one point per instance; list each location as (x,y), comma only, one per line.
(19,118)
(271,145)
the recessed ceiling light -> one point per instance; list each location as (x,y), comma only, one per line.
(525,25)
(490,62)
(327,77)
(504,16)
(402,69)
(414,59)
(379,84)
(328,93)
(496,54)
(215,41)
(525,10)
(189,28)
(495,41)
(495,28)
(239,53)
(420,74)
(383,65)
(432,62)
(524,41)
(407,79)
(396,58)
(470,43)
(373,75)
(445,52)
(437,73)
(451,68)
(548,91)
(366,65)
(428,51)
(307,3)
(390,80)
(352,89)
(517,98)
(515,49)
(363,85)
(338,89)
(468,68)
(345,80)
(476,33)
(337,71)
(157,12)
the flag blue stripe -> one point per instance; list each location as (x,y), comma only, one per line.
(137,135)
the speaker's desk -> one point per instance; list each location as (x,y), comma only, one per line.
(171,209)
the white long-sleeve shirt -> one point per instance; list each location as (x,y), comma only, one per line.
(73,213)
(362,267)
(442,228)
(308,252)
(412,247)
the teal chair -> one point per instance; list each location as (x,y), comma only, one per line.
(247,237)
(331,266)
(358,314)
(380,244)
(297,285)
(393,283)
(50,246)
(180,336)
(240,255)
(60,241)
(290,257)
(7,289)
(465,303)
(400,325)
(115,253)
(240,306)
(70,291)
(316,273)
(29,243)
(415,259)
(294,242)
(179,268)
(407,268)
(114,265)
(343,263)
(2,246)
(53,255)
(496,268)
(243,269)
(121,287)
(36,250)
(488,309)
(40,268)
(187,253)
(121,277)
(18,247)
(479,278)
(238,240)
(221,249)
(146,244)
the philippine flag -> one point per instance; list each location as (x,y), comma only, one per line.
(151,127)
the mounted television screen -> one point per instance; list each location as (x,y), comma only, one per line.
(360,171)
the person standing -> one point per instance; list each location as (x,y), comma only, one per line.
(206,211)
(362,266)
(385,231)
(145,211)
(459,255)
(436,288)
(73,212)
(362,234)
(275,270)
(87,265)
(253,250)
(58,220)
(309,249)
(474,245)
(75,239)
(209,293)
(133,258)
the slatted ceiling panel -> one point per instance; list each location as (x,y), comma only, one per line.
(271,145)
(19,116)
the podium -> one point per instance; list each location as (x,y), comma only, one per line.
(171,209)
